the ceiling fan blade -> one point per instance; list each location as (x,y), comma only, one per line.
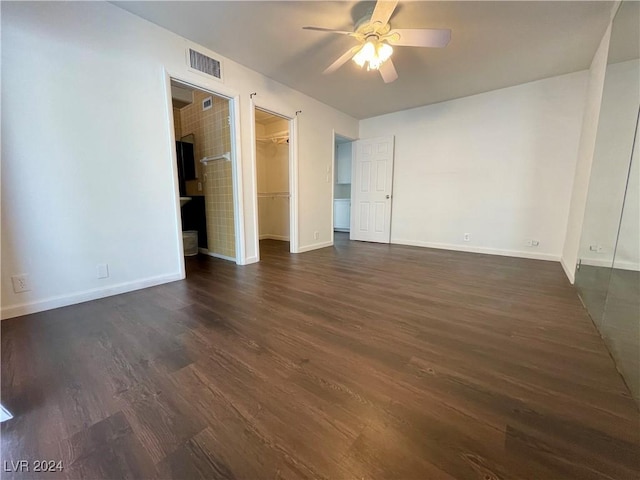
(383,11)
(419,37)
(388,71)
(330,30)
(341,61)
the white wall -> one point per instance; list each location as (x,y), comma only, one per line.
(586,150)
(498,165)
(87,151)
(610,170)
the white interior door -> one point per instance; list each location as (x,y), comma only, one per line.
(371,184)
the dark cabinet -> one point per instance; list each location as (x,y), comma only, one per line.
(194,218)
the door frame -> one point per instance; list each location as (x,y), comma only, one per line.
(236,162)
(335,134)
(294,240)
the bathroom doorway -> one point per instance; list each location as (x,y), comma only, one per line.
(273,180)
(205,166)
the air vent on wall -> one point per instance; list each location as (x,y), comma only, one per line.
(205,64)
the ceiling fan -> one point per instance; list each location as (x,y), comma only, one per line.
(375,37)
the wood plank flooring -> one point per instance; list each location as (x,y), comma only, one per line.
(357,361)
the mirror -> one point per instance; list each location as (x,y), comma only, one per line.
(185,150)
(607,277)
(188,145)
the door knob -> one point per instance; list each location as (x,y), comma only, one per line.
(388,196)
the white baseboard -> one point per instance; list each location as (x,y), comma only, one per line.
(622,265)
(489,251)
(570,273)
(249,260)
(267,236)
(619,264)
(219,255)
(50,303)
(315,246)
(595,262)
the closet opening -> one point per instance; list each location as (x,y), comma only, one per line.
(273,180)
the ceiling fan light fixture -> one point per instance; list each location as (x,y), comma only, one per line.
(384,52)
(365,54)
(374,34)
(373,53)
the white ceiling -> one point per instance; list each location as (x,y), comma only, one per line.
(493,45)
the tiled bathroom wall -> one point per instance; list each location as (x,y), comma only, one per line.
(219,207)
(212,137)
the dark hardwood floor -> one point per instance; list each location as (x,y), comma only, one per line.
(358,361)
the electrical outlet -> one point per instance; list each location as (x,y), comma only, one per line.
(103,270)
(199,186)
(535,243)
(20,283)
(467,237)
(316,235)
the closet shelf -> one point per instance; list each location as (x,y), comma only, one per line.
(273,194)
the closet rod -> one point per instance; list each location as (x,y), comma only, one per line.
(282,136)
(274,139)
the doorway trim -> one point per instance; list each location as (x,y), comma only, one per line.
(236,160)
(294,246)
(335,134)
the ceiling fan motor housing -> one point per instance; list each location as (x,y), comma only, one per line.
(365,27)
